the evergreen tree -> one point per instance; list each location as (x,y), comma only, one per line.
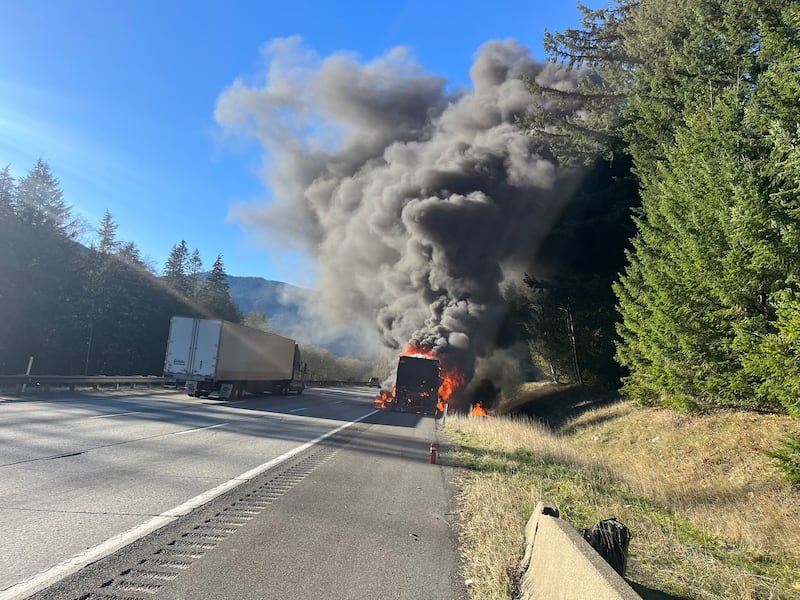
(9,264)
(8,192)
(639,63)
(195,268)
(107,235)
(38,288)
(129,253)
(195,263)
(176,270)
(704,95)
(40,201)
(771,356)
(582,122)
(217,281)
(216,298)
(79,311)
(118,316)
(693,290)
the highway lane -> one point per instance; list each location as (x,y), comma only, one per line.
(75,471)
(361,515)
(376,521)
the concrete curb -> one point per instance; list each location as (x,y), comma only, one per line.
(559,563)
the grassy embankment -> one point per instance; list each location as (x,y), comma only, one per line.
(710,516)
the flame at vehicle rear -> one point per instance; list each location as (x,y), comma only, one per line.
(452,380)
(384,399)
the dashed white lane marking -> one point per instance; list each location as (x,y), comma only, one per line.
(49,576)
(133,412)
(200,429)
(298,409)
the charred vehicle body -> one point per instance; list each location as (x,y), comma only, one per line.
(417,385)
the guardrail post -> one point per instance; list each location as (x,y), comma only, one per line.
(27,372)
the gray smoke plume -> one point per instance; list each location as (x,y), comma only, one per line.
(415,201)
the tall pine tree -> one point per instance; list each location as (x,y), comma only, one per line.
(8,193)
(216,297)
(772,357)
(40,201)
(691,283)
(107,235)
(176,270)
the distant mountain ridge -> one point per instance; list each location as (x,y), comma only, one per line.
(281,302)
(285,306)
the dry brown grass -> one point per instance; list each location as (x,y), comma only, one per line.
(709,469)
(711,517)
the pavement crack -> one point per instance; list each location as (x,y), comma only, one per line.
(66,455)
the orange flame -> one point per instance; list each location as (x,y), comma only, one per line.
(479,411)
(452,379)
(384,399)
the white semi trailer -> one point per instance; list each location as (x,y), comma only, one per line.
(223,359)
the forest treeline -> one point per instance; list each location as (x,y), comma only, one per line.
(93,310)
(677,269)
(99,308)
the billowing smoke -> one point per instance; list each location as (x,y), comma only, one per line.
(416,202)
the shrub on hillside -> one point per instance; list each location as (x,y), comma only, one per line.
(787,459)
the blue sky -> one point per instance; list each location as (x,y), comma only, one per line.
(119,98)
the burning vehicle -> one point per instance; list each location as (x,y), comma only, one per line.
(417,385)
(424,384)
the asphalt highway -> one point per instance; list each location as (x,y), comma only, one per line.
(340,500)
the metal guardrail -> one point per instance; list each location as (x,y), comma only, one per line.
(328,382)
(45,382)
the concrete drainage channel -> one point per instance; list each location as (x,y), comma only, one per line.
(558,563)
(146,568)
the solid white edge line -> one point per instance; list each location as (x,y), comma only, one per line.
(57,572)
